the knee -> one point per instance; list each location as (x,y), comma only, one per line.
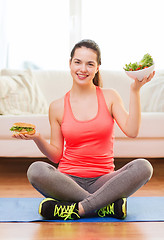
(35,171)
(145,168)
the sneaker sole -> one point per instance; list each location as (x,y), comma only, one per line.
(124,207)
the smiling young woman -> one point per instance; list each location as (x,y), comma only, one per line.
(85,182)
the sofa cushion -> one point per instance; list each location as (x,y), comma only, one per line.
(151,126)
(119,81)
(53,84)
(41,121)
(152,94)
(20,94)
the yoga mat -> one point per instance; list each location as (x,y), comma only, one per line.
(140,209)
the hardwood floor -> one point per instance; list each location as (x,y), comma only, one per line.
(14,183)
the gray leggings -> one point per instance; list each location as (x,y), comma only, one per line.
(92,193)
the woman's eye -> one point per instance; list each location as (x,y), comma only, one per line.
(91,64)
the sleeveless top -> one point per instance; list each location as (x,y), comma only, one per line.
(88,144)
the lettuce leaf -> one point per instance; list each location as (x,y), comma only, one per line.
(14,128)
(146,61)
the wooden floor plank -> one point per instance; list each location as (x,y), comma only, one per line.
(82,231)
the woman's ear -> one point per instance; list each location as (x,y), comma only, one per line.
(97,68)
(70,62)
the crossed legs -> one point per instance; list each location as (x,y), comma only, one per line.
(103,191)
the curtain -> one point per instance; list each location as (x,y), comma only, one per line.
(3,36)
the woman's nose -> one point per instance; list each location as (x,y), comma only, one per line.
(83,68)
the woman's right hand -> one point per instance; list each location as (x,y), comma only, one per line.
(34,136)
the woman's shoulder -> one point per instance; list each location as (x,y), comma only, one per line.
(109,92)
(57,103)
(56,109)
(111,96)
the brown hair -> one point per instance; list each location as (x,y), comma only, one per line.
(94,46)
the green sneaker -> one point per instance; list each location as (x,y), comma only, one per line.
(118,209)
(52,209)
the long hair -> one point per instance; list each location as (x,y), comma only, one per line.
(97,81)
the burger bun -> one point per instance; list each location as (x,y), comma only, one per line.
(24,130)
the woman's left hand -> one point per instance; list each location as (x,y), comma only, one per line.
(136,85)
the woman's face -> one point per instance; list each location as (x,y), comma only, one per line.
(84,65)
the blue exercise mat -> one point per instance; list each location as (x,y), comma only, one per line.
(140,209)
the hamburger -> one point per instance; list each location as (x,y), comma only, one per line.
(23,128)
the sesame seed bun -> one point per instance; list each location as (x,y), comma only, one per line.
(27,125)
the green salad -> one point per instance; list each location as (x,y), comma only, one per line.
(145,62)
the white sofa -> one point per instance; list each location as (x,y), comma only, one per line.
(54,84)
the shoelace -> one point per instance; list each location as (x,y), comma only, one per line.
(65,211)
(106,210)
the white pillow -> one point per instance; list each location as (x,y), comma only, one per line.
(152,95)
(20,94)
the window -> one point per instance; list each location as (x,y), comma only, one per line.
(38,33)
(125,30)
(41,33)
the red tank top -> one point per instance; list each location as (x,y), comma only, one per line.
(89,144)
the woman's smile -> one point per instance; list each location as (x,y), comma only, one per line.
(82,76)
